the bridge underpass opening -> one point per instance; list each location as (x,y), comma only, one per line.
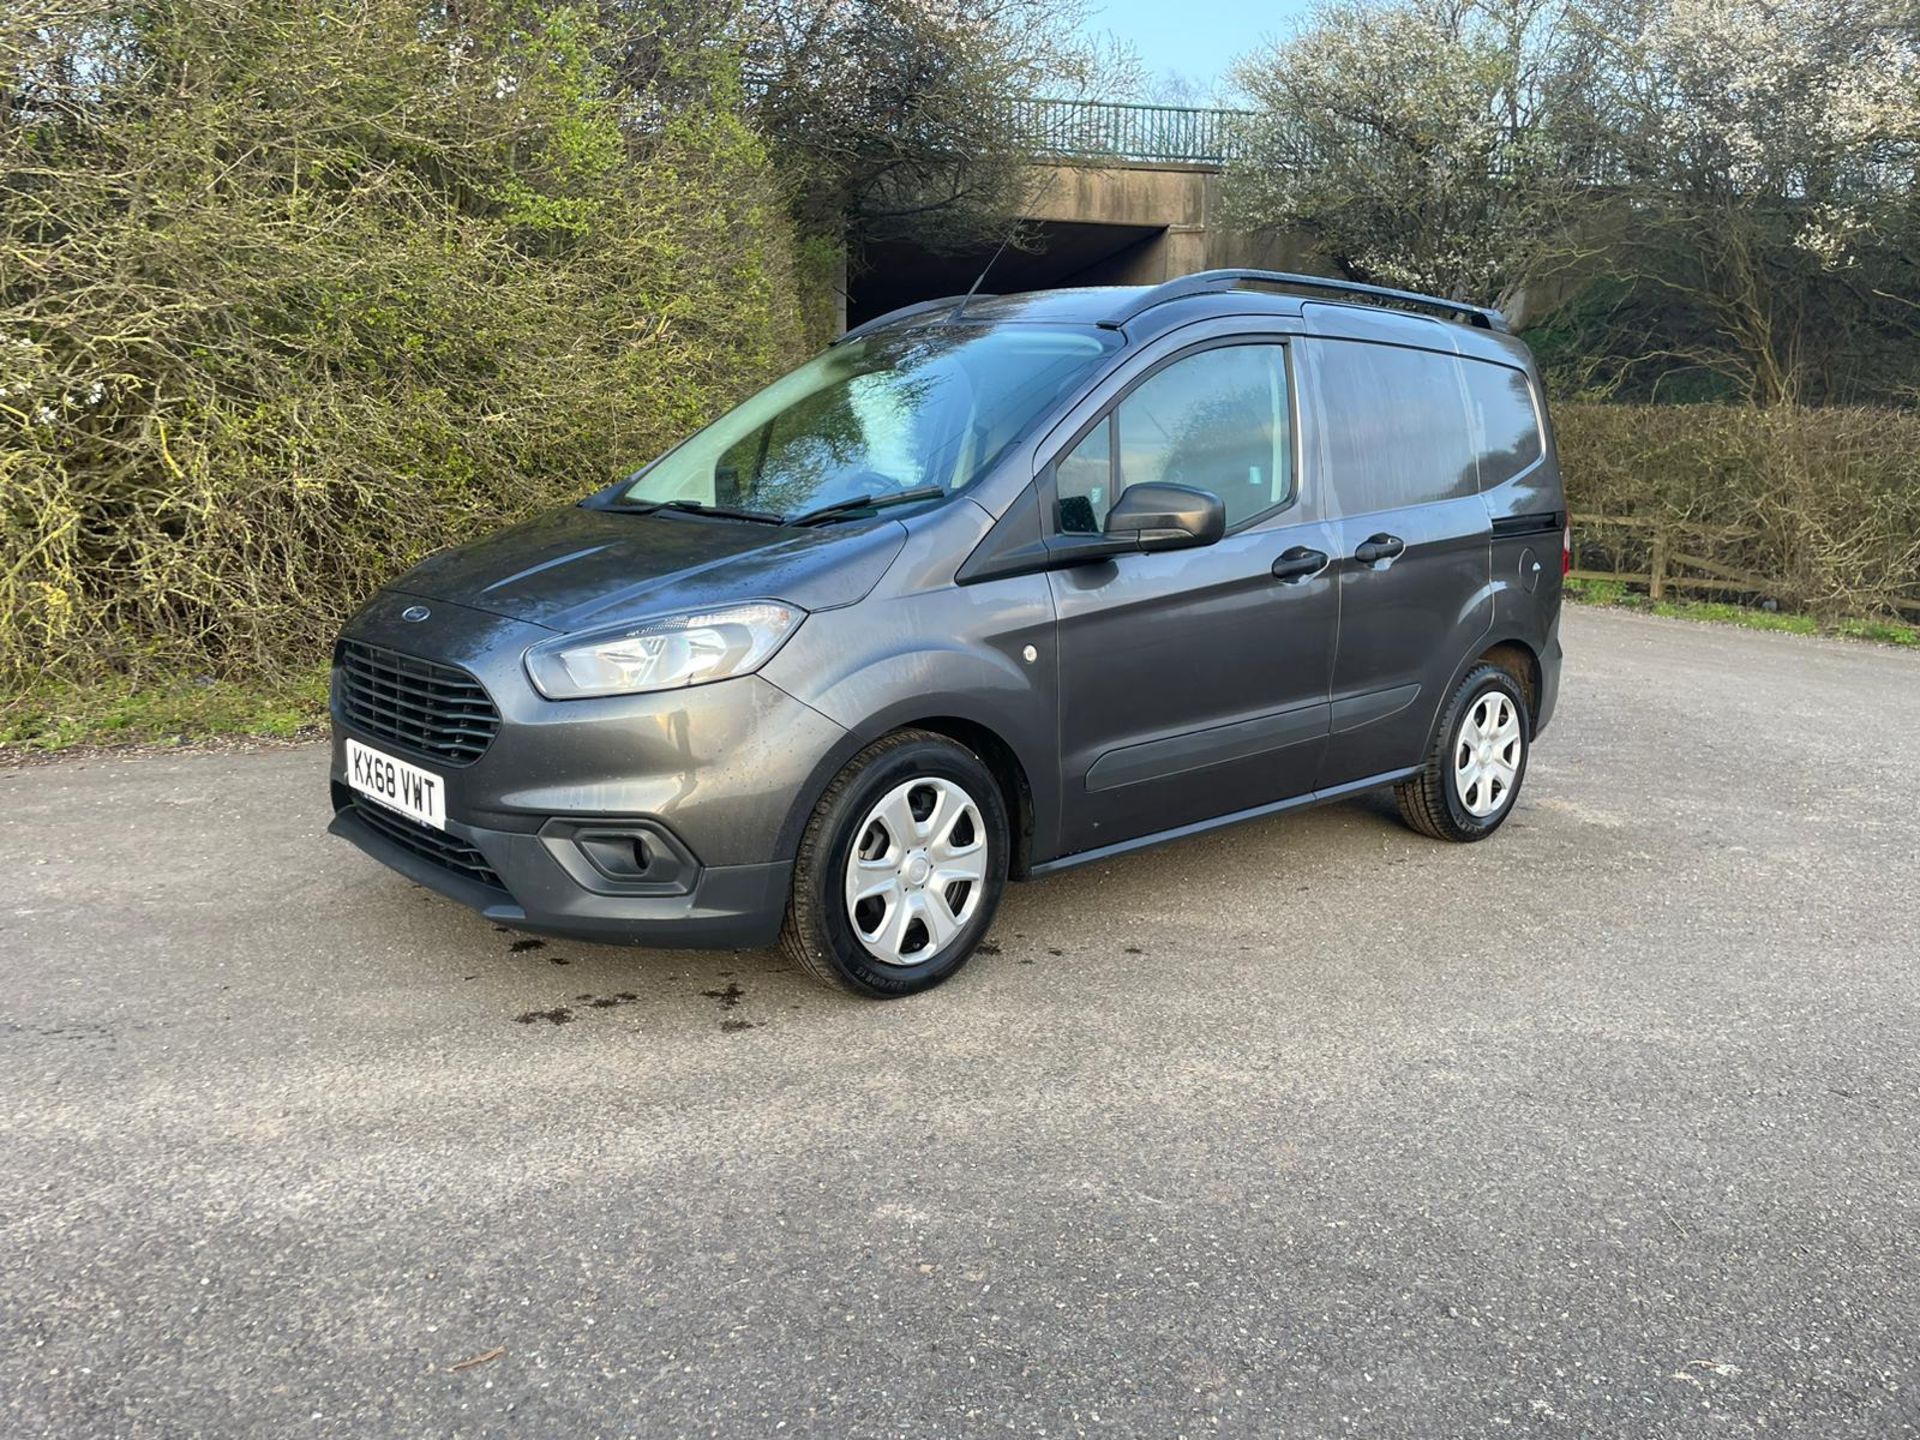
(1068,253)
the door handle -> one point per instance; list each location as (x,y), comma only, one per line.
(1299,564)
(1379,547)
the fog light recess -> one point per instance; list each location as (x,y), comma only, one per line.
(621,857)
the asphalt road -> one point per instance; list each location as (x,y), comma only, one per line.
(1609,1126)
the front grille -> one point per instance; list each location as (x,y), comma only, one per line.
(441,848)
(437,710)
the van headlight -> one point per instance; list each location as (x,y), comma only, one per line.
(663,653)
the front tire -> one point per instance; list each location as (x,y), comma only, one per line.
(1476,762)
(900,869)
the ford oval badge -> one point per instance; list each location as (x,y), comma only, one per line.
(415,613)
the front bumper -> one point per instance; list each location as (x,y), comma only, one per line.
(724,907)
(708,777)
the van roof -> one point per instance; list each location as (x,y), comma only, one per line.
(1319,305)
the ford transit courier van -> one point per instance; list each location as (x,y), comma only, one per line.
(992,587)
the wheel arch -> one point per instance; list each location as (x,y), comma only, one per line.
(1011,770)
(1520,660)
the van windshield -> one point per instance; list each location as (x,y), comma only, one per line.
(923,410)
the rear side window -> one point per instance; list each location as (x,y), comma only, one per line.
(1219,420)
(1396,426)
(1506,426)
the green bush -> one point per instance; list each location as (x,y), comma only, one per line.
(294,292)
(1824,503)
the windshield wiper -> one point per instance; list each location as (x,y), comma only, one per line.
(698,507)
(868,502)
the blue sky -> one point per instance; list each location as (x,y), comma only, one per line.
(1195,39)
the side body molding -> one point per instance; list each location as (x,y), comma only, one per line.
(1357,710)
(1157,759)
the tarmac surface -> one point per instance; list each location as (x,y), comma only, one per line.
(1312,1127)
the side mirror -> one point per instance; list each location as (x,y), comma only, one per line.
(1157,516)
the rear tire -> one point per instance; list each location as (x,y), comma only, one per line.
(900,869)
(1476,762)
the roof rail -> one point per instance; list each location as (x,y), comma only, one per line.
(923,307)
(1209,282)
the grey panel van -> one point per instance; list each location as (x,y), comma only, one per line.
(990,588)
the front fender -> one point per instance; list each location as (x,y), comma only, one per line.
(943,655)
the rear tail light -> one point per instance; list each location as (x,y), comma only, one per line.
(1566,551)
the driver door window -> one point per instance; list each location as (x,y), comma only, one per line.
(1218,420)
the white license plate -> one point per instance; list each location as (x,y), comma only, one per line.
(419,794)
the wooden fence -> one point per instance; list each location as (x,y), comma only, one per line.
(1672,565)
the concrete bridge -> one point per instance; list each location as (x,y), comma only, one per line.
(1122,195)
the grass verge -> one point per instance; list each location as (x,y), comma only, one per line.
(1614,593)
(182,710)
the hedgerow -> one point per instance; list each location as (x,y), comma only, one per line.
(1823,504)
(294,293)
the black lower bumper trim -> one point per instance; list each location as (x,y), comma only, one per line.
(725,907)
(434,846)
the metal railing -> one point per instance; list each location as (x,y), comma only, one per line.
(1110,130)
(1215,137)
(1102,130)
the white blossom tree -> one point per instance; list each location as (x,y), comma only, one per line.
(1761,180)
(892,116)
(1415,142)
